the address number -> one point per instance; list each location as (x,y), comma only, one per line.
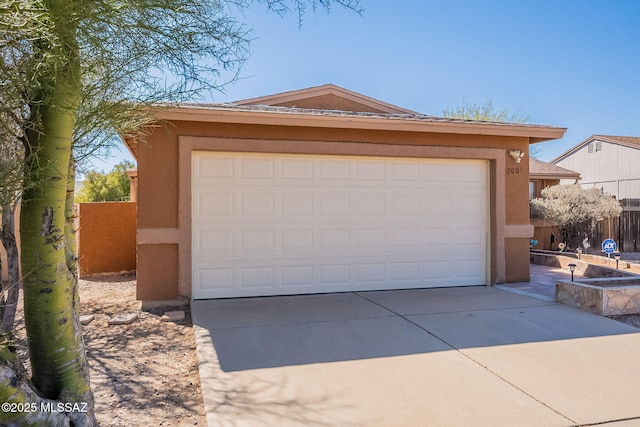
(514,170)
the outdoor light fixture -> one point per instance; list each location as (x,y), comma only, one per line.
(572,267)
(617,257)
(517,155)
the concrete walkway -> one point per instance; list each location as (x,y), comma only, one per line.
(542,284)
(475,356)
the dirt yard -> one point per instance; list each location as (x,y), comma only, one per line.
(144,373)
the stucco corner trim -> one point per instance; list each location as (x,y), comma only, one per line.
(518,231)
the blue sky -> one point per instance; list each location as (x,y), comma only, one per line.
(568,63)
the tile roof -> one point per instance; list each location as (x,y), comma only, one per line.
(539,169)
(340,113)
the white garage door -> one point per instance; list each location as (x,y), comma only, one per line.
(277,224)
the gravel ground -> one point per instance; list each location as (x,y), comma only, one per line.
(144,373)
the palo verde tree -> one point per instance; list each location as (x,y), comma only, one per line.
(575,210)
(92,69)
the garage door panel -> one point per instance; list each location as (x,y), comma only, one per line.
(210,243)
(333,169)
(296,204)
(208,203)
(336,277)
(297,276)
(298,168)
(213,279)
(369,239)
(325,270)
(403,272)
(290,240)
(472,172)
(214,167)
(437,272)
(267,224)
(404,171)
(373,273)
(256,167)
(437,202)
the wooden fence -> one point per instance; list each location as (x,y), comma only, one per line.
(625,230)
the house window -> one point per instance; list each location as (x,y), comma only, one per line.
(532,190)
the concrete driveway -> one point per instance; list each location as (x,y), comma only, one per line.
(474,356)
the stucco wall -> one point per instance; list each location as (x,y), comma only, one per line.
(158,269)
(106,237)
(161,164)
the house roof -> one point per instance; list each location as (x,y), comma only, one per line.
(330,106)
(627,141)
(328,96)
(543,170)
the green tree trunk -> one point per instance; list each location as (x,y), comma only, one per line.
(71,249)
(59,367)
(17,392)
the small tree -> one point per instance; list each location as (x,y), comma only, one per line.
(109,187)
(576,211)
(486,112)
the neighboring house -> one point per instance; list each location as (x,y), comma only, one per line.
(606,162)
(611,163)
(327,190)
(541,176)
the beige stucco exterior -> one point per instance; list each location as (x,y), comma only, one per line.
(164,174)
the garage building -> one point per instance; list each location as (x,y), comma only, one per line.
(327,190)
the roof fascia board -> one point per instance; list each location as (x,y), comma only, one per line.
(553,176)
(572,150)
(542,133)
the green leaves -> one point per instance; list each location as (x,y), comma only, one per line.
(111,187)
(484,112)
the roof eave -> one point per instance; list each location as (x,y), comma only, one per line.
(571,150)
(552,176)
(534,133)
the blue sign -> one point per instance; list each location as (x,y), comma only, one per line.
(609,246)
